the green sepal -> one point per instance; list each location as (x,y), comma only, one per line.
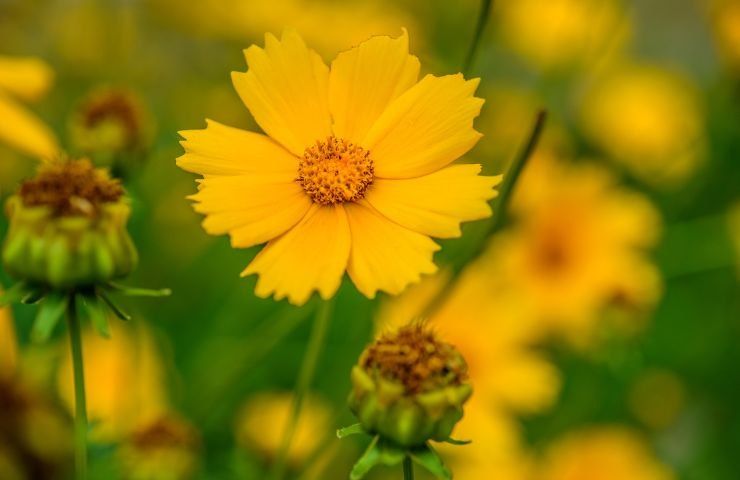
(427,458)
(51,311)
(351,430)
(14,294)
(379,452)
(367,461)
(97,312)
(391,454)
(33,296)
(453,441)
(113,307)
(139,292)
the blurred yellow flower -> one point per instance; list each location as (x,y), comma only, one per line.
(649,120)
(726,23)
(606,453)
(579,245)
(657,398)
(124,378)
(264,417)
(355,174)
(562,33)
(26,79)
(8,345)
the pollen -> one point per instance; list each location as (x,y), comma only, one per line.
(335,171)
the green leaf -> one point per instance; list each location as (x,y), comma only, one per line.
(427,458)
(114,308)
(14,294)
(51,311)
(140,292)
(97,313)
(452,441)
(351,430)
(367,461)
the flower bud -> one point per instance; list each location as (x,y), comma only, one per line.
(68,228)
(409,387)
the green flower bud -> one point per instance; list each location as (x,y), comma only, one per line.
(68,228)
(409,387)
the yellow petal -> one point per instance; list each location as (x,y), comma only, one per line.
(222,150)
(26,78)
(24,132)
(435,204)
(385,256)
(365,80)
(8,343)
(252,208)
(426,128)
(311,256)
(286,90)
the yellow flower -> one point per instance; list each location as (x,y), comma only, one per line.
(354,173)
(561,33)
(8,345)
(124,379)
(26,79)
(726,22)
(649,120)
(579,247)
(264,418)
(606,453)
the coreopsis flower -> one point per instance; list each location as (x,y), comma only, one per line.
(354,173)
(25,79)
(649,120)
(261,424)
(606,453)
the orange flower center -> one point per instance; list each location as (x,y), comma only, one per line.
(335,171)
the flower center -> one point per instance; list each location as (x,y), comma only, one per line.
(335,171)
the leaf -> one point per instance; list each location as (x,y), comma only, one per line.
(97,313)
(452,441)
(114,308)
(51,310)
(33,296)
(14,294)
(140,292)
(351,430)
(430,460)
(367,461)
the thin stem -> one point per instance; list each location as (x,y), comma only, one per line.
(316,344)
(408,469)
(480,27)
(75,342)
(501,208)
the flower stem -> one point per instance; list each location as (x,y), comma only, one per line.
(485,12)
(316,344)
(75,342)
(408,469)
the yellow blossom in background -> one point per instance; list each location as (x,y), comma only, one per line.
(325,25)
(8,345)
(725,16)
(124,378)
(603,453)
(579,245)
(261,424)
(657,398)
(558,34)
(649,120)
(354,173)
(25,79)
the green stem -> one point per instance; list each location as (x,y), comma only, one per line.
(316,344)
(408,469)
(485,12)
(75,342)
(501,208)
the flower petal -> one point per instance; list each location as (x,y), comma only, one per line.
(25,132)
(286,90)
(252,209)
(223,150)
(311,256)
(365,80)
(27,78)
(426,128)
(435,204)
(385,256)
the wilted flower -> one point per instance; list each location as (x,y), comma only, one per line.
(355,172)
(27,79)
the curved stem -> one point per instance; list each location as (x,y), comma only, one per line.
(408,469)
(308,368)
(75,342)
(480,27)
